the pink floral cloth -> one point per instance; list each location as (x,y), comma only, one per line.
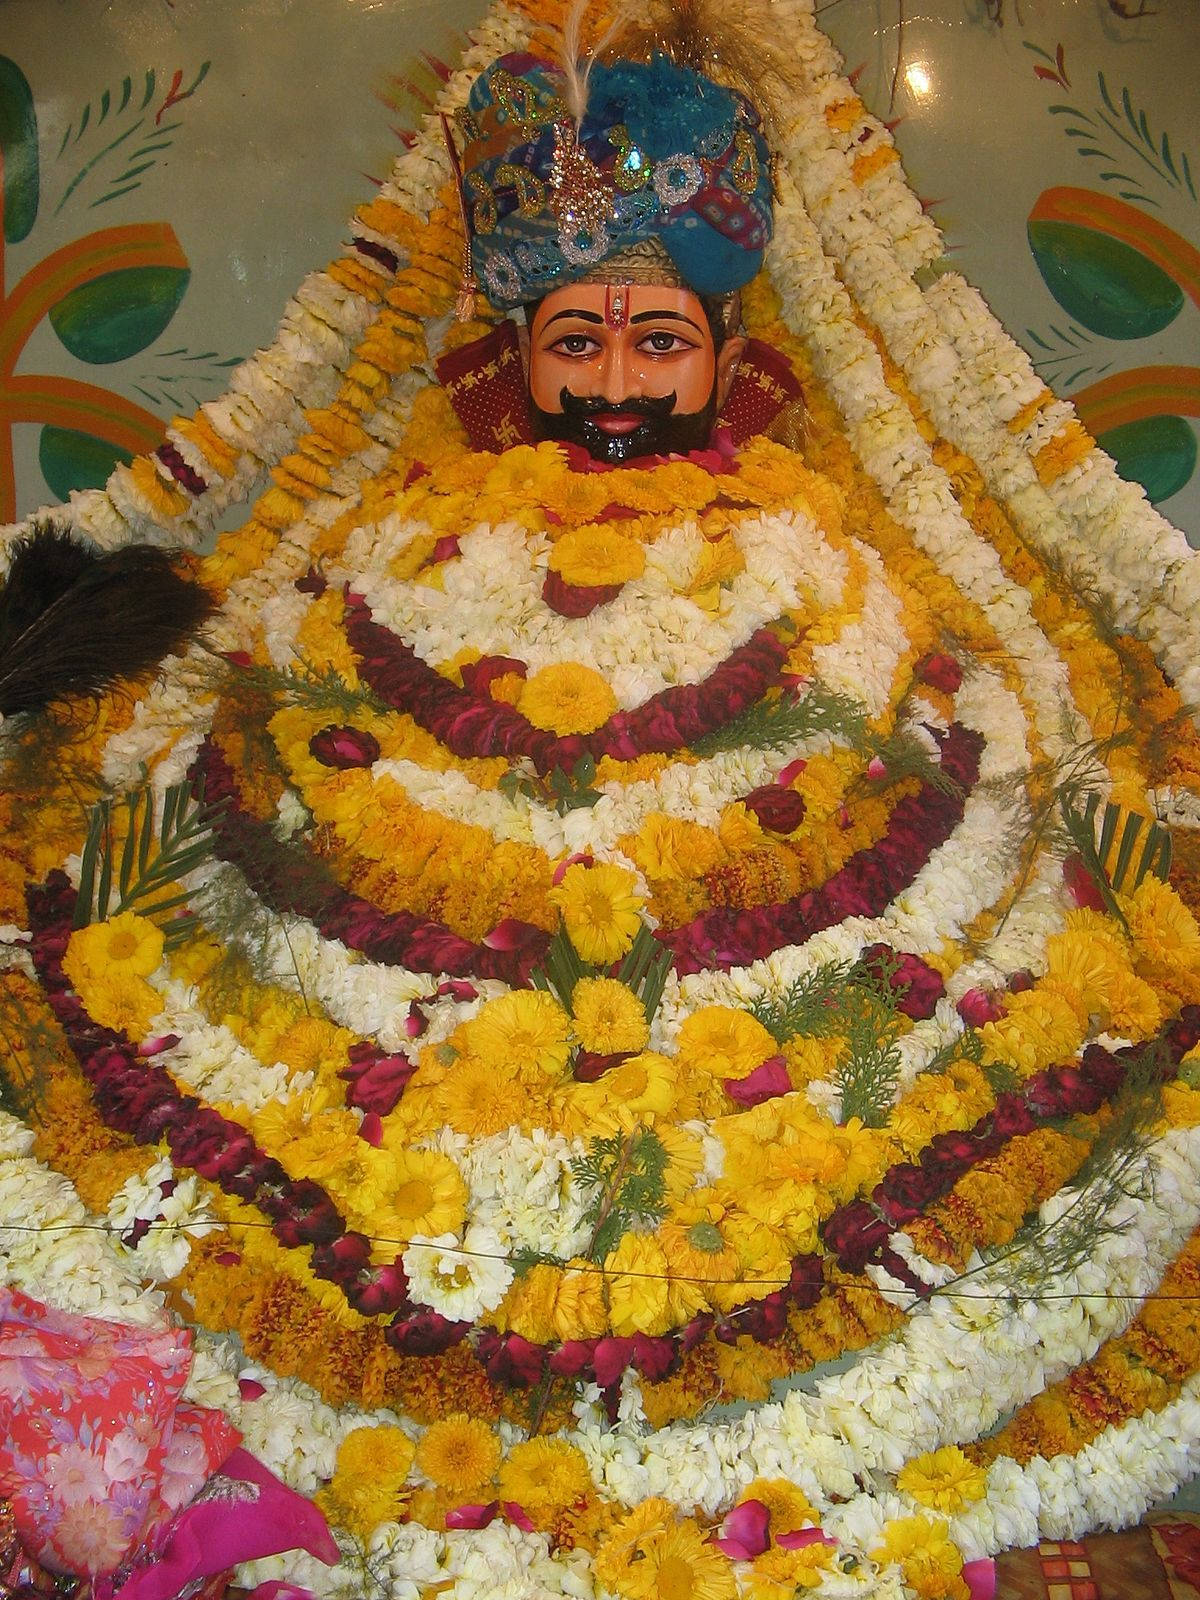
(95,1448)
(111,1478)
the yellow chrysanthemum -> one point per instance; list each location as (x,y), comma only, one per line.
(525,1033)
(943,1480)
(475,1099)
(1166,939)
(127,1005)
(608,1017)
(126,946)
(678,1564)
(427,1195)
(630,1535)
(1091,956)
(637,1286)
(600,908)
(639,1089)
(922,1548)
(598,555)
(724,1042)
(544,1477)
(567,697)
(459,1453)
(739,829)
(701,1254)
(1041,1026)
(780,1574)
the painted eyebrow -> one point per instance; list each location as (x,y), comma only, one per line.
(665,316)
(585,316)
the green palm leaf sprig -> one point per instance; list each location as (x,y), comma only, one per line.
(138,867)
(1108,842)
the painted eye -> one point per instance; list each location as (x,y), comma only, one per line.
(663,343)
(574,344)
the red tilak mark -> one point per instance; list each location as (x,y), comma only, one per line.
(616,305)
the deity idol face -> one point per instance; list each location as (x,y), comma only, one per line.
(627,369)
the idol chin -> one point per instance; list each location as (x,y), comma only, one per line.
(614,431)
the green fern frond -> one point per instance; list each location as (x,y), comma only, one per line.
(780,723)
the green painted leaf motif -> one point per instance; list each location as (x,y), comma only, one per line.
(71,460)
(1157,452)
(116,315)
(18,151)
(1107,285)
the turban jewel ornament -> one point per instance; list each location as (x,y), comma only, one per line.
(659,155)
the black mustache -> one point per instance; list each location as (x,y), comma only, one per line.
(638,405)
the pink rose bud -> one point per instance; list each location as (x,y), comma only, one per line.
(876,768)
(745,1531)
(940,672)
(977,1006)
(791,772)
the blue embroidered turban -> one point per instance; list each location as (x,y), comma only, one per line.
(662,155)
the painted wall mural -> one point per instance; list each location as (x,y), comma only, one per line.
(1121,274)
(108,295)
(172,177)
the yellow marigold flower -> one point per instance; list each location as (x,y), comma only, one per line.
(383,1452)
(930,1563)
(544,1477)
(789,1507)
(459,1453)
(608,1017)
(811,1060)
(126,946)
(579,1311)
(637,1286)
(601,910)
(602,554)
(943,1480)
(528,1305)
(669,847)
(525,1032)
(724,1042)
(567,697)
(739,830)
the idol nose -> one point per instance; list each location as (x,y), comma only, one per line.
(613,376)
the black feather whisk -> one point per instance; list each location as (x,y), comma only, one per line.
(74,620)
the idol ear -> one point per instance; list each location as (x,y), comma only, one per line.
(727,361)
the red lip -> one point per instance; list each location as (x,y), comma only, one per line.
(617,421)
